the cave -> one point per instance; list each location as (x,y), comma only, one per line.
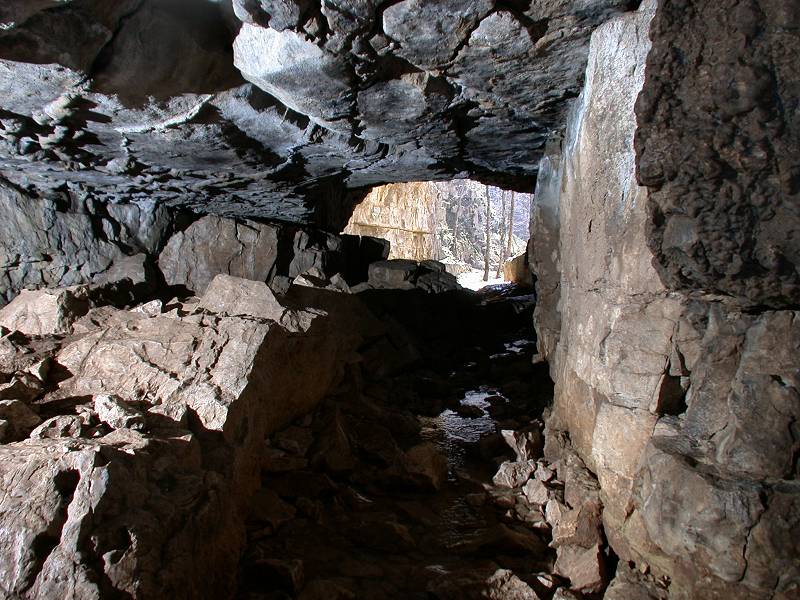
(431,299)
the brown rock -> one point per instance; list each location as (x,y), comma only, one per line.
(514,474)
(527,445)
(584,567)
(536,492)
(64,426)
(45,312)
(426,464)
(115,412)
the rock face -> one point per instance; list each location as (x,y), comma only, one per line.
(658,378)
(271,253)
(407,215)
(728,132)
(66,238)
(151,447)
(276,109)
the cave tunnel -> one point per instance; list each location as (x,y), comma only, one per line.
(369,299)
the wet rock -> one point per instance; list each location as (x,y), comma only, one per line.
(527,445)
(514,474)
(584,567)
(425,465)
(45,312)
(63,426)
(117,414)
(469,411)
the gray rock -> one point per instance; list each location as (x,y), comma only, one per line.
(213,246)
(171,120)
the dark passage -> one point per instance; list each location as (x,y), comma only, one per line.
(385,491)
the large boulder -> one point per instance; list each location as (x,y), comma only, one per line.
(45,312)
(140,485)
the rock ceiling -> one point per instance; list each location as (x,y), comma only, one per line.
(273,108)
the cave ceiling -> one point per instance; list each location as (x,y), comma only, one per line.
(273,108)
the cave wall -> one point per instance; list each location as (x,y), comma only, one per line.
(65,239)
(682,399)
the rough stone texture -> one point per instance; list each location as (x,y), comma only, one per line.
(678,400)
(65,238)
(274,109)
(212,246)
(272,253)
(399,274)
(718,144)
(45,312)
(139,485)
(407,215)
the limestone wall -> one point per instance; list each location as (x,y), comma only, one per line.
(681,402)
(406,214)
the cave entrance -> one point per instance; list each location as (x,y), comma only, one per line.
(479,232)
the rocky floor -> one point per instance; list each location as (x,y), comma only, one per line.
(427,484)
(385,444)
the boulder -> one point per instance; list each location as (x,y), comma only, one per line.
(212,246)
(62,426)
(514,474)
(526,444)
(45,312)
(536,492)
(184,404)
(426,465)
(403,274)
(584,567)
(502,584)
(117,414)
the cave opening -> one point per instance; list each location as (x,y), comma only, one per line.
(477,231)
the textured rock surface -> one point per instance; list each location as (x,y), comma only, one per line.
(407,215)
(66,238)
(721,155)
(272,253)
(272,109)
(659,382)
(136,487)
